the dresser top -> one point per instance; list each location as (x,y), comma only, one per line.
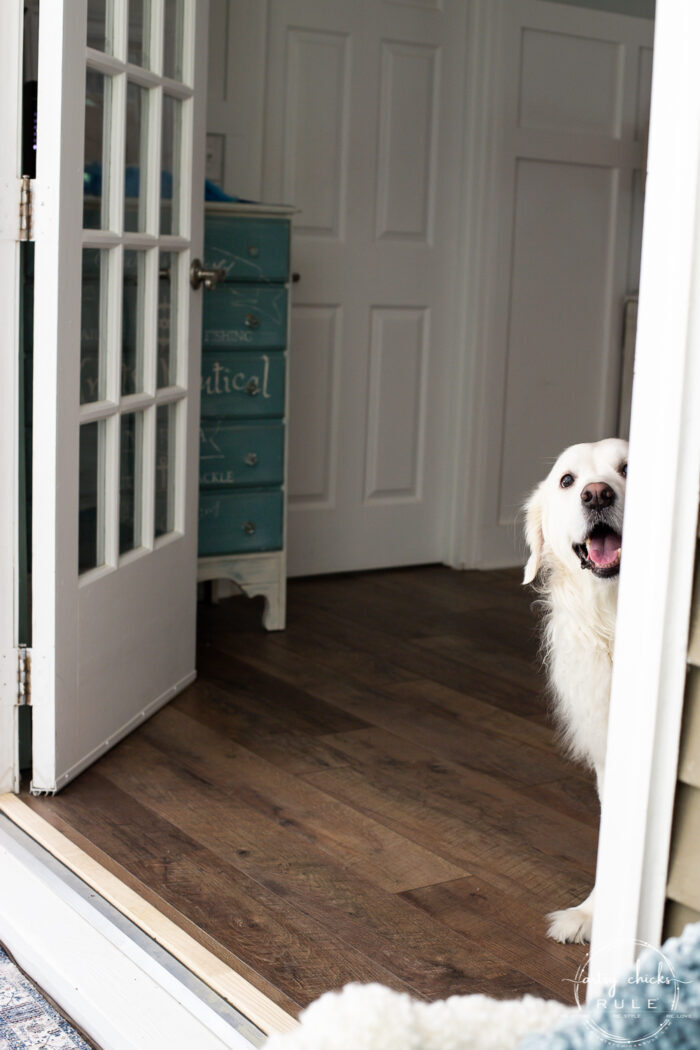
(238,208)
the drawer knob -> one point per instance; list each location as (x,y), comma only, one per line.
(251,459)
(249,528)
(252,321)
(253,251)
(252,387)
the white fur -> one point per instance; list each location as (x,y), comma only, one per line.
(371,1017)
(579,622)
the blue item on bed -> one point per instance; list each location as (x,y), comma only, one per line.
(92,185)
(657,1003)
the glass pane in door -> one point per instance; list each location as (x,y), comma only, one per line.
(170,165)
(135,158)
(133,317)
(98,88)
(92,330)
(166,416)
(139,32)
(130,487)
(99,25)
(91,495)
(172,39)
(167,319)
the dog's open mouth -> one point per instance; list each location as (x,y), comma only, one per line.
(601,551)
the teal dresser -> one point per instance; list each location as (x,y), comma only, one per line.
(242,466)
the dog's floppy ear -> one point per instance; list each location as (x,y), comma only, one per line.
(533,533)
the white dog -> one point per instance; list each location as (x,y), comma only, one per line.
(573,528)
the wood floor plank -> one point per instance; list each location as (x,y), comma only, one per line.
(477,713)
(513,928)
(502,692)
(446,732)
(47,808)
(257,924)
(375,793)
(479,652)
(372,851)
(519,848)
(273,697)
(378,924)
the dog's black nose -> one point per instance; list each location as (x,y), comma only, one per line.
(597,495)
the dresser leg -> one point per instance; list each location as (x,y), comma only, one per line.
(231,574)
(274,616)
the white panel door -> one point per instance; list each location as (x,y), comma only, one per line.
(363,134)
(118,219)
(565,200)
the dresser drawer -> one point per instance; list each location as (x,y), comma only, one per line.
(231,454)
(247,249)
(239,522)
(245,316)
(242,384)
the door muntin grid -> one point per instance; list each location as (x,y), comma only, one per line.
(135,292)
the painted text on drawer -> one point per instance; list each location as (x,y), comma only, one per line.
(231,454)
(243,385)
(247,249)
(245,316)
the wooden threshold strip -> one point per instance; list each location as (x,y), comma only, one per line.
(236,990)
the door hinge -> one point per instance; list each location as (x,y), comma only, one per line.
(24,676)
(25,209)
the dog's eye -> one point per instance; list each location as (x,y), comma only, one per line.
(566,481)
(623,470)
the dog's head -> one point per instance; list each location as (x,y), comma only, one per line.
(575,515)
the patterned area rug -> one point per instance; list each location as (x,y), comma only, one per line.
(27,1020)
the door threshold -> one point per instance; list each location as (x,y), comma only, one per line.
(126,974)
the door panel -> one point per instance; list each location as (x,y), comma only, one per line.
(119,200)
(363,101)
(565,210)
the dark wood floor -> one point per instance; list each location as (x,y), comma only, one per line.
(373,794)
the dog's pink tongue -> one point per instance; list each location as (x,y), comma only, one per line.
(603,549)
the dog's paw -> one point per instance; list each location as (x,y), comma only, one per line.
(571,924)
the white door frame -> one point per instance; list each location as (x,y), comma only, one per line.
(11,24)
(660,533)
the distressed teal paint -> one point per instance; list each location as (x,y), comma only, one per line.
(240,522)
(231,454)
(248,249)
(242,432)
(242,385)
(245,316)
(635,8)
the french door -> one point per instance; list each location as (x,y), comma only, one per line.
(118,207)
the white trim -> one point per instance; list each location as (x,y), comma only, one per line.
(477,262)
(121,994)
(661,516)
(11,17)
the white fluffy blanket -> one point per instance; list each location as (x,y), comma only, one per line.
(371,1017)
